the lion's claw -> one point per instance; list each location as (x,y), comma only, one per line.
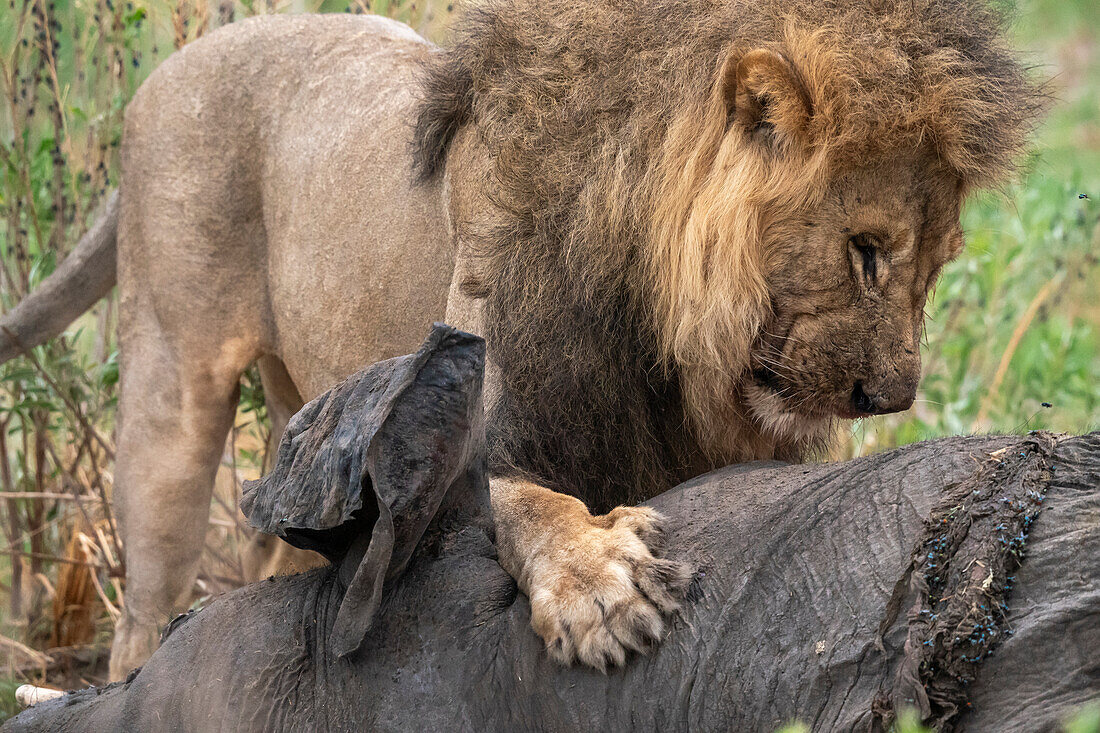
(603,594)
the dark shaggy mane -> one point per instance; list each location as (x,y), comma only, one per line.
(895,64)
(448,85)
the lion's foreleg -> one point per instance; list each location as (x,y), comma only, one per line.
(596,586)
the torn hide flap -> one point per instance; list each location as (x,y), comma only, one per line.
(957,583)
(362,469)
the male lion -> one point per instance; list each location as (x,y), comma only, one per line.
(693,233)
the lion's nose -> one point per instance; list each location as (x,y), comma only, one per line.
(875,402)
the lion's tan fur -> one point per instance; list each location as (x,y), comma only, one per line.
(707,308)
(266,214)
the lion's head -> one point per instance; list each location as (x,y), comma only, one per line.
(751,199)
(803,211)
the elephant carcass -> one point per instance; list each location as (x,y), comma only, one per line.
(959,576)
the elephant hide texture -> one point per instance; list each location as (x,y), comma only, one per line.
(959,576)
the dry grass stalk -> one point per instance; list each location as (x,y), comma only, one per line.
(982,421)
(73,598)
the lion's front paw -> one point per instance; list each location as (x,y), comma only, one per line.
(601,591)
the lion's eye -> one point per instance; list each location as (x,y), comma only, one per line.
(865,256)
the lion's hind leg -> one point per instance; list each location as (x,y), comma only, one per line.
(177,404)
(597,586)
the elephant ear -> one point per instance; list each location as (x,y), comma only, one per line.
(363,469)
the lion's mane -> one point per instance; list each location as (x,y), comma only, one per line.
(622,281)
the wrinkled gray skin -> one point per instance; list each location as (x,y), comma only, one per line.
(796,564)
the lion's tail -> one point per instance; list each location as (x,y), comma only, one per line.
(447,96)
(86,275)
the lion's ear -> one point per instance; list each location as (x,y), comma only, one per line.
(764,95)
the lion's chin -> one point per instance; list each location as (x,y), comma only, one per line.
(774,418)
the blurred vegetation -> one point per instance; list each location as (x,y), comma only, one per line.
(1087,720)
(908,722)
(1014,324)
